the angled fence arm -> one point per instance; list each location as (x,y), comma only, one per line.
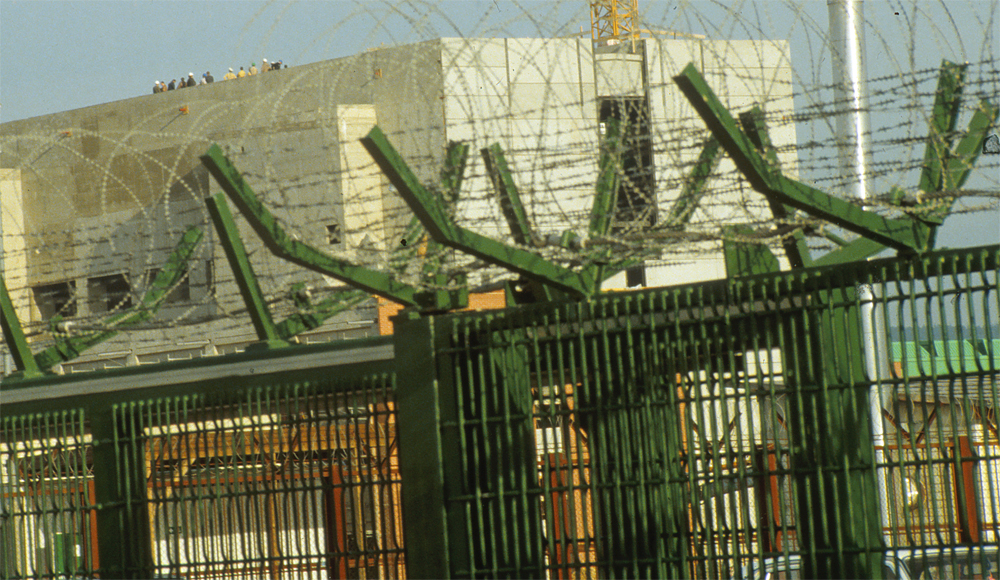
(67,349)
(694,186)
(609,173)
(944,117)
(452,175)
(795,243)
(283,246)
(439,225)
(13,333)
(229,237)
(901,234)
(961,160)
(510,197)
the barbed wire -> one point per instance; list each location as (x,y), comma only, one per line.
(145,186)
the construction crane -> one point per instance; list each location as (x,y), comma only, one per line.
(614,21)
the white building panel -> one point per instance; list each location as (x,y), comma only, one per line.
(541,60)
(619,75)
(475,80)
(541,101)
(473,52)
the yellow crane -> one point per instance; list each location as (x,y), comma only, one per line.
(614,20)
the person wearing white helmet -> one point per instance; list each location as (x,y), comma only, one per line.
(264,67)
(229,75)
(191,82)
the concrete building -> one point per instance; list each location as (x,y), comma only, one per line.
(95,198)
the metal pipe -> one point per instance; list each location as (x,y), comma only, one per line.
(847,39)
(847,42)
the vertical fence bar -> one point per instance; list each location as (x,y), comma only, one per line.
(427,449)
(120,484)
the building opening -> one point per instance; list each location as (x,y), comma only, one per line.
(636,206)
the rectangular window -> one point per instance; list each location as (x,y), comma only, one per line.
(109,293)
(53,299)
(636,206)
(180,293)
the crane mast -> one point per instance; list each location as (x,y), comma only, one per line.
(614,20)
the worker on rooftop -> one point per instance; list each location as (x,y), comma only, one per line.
(229,75)
(253,68)
(208,77)
(172,85)
(191,82)
(241,74)
(264,66)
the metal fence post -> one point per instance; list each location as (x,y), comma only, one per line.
(838,519)
(123,535)
(423,397)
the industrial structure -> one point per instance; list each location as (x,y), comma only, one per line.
(96,199)
(689,430)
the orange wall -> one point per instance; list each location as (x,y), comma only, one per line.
(484,301)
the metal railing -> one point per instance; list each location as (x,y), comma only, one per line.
(704,430)
(695,431)
(240,474)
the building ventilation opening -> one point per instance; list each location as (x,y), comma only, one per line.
(636,206)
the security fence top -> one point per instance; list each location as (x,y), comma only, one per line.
(346,361)
(282,245)
(945,171)
(554,279)
(721,300)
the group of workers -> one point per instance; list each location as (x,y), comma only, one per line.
(206,78)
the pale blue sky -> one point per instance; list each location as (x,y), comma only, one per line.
(61,55)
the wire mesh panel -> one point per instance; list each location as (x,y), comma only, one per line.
(283,482)
(941,458)
(47,502)
(718,430)
(207,469)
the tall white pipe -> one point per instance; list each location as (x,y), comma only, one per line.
(847,41)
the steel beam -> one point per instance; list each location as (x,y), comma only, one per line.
(694,186)
(510,198)
(901,234)
(608,180)
(13,333)
(282,245)
(944,116)
(430,209)
(795,244)
(316,314)
(229,237)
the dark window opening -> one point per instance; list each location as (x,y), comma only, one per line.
(333,235)
(635,276)
(109,293)
(181,292)
(636,204)
(53,299)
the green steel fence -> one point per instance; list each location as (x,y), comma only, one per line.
(708,430)
(275,464)
(818,419)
